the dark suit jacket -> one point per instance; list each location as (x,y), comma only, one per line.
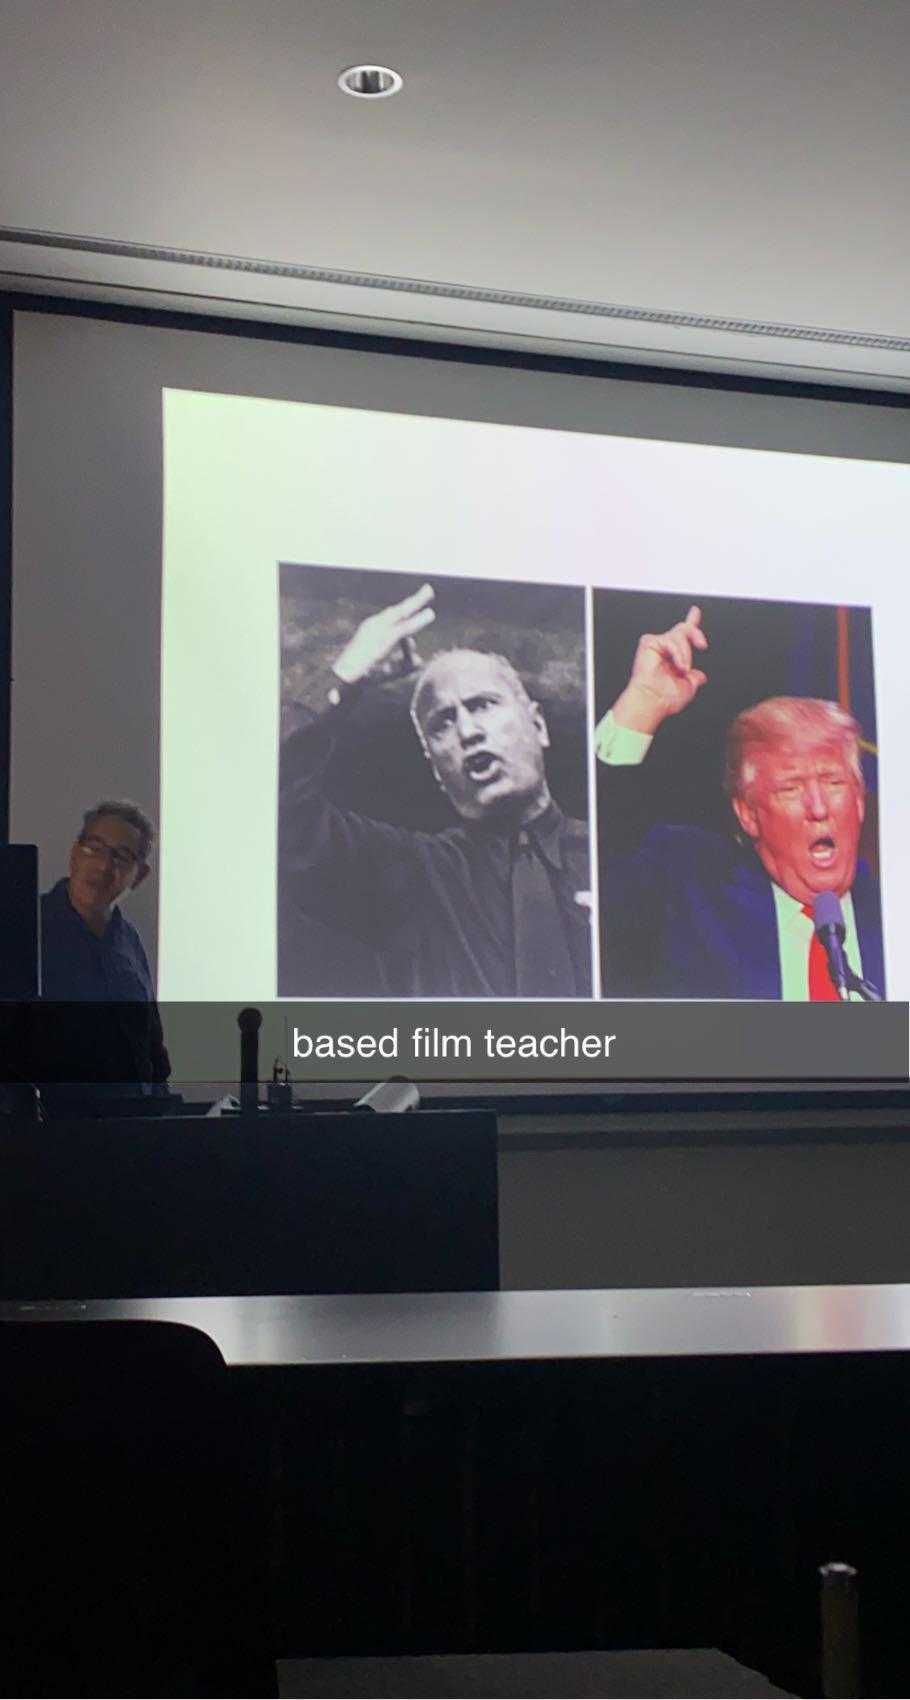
(434,907)
(691,914)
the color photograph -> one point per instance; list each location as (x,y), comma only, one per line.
(737,766)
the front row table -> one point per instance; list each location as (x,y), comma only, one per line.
(507,1327)
(657,1467)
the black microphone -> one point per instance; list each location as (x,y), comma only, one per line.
(828,917)
(249,1021)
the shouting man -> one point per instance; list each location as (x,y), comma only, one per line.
(498,904)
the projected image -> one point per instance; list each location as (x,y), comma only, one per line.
(737,798)
(433,809)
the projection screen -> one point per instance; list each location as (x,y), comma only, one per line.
(206,524)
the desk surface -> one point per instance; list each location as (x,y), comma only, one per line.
(435,1328)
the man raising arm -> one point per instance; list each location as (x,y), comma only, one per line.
(700,914)
(490,907)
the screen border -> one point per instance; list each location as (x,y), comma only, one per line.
(621,1096)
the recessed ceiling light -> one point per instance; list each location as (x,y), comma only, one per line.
(369,82)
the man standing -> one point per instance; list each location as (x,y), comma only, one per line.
(692,914)
(496,906)
(92,955)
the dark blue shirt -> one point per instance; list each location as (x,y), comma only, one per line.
(76,964)
(117,1035)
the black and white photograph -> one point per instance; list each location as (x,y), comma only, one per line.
(433,787)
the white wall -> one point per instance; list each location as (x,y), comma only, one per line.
(716,1212)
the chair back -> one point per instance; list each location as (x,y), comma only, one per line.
(125,1564)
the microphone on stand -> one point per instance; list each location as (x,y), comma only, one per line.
(828,917)
(249,1021)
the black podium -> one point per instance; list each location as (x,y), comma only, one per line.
(340,1203)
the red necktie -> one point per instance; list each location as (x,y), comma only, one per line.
(821,986)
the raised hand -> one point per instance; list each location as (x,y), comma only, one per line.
(663,680)
(372,648)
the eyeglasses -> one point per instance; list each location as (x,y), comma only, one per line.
(123,860)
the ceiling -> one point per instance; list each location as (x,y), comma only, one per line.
(708,181)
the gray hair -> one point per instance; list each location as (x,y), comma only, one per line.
(514,681)
(125,811)
(778,719)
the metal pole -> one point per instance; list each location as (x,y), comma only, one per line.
(840,1632)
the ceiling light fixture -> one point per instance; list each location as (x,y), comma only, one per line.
(369,82)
